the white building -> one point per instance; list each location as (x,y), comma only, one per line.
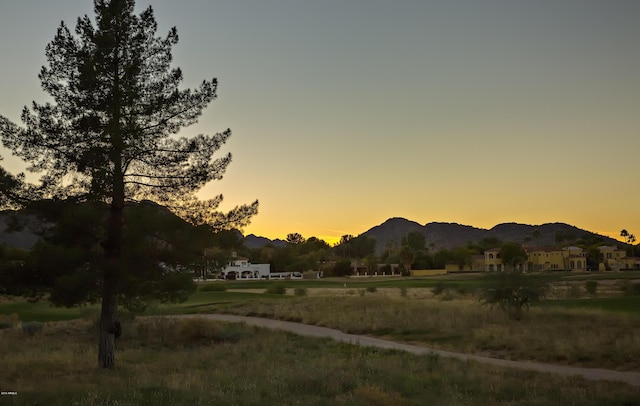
(241,268)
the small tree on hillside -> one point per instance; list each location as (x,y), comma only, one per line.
(109,136)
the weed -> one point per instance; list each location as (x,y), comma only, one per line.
(30,328)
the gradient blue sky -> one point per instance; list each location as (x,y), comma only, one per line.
(347,112)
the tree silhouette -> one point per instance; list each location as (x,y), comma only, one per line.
(629,239)
(109,135)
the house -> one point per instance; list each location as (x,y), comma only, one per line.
(541,259)
(240,268)
(615,259)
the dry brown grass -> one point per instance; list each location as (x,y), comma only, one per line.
(567,336)
(197,362)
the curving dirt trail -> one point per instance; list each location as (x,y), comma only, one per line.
(631,378)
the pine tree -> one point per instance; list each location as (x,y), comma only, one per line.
(109,135)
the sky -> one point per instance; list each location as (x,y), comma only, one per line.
(345,113)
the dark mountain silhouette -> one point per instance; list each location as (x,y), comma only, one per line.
(19,229)
(254,241)
(449,235)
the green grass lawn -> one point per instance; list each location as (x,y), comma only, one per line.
(43,311)
(622,304)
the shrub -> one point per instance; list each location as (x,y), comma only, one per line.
(342,268)
(512,291)
(5,324)
(438,289)
(403,291)
(372,289)
(32,327)
(277,289)
(591,287)
(300,291)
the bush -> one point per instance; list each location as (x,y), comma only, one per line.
(277,289)
(438,289)
(372,289)
(32,327)
(512,291)
(591,287)
(300,291)
(342,268)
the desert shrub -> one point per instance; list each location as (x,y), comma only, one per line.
(591,287)
(213,287)
(512,291)
(32,327)
(300,291)
(372,289)
(447,296)
(574,292)
(277,289)
(438,289)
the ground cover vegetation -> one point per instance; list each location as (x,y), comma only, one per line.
(205,362)
(590,337)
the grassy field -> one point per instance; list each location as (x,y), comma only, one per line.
(164,361)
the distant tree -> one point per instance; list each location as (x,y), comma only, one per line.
(512,291)
(356,247)
(295,238)
(406,258)
(342,268)
(535,234)
(416,240)
(513,254)
(594,258)
(108,136)
(629,239)
(462,256)
(488,243)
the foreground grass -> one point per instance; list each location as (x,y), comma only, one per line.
(580,337)
(165,361)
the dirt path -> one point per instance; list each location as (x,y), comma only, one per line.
(632,378)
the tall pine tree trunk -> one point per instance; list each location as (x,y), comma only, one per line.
(109,325)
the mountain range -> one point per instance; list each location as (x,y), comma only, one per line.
(449,235)
(390,232)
